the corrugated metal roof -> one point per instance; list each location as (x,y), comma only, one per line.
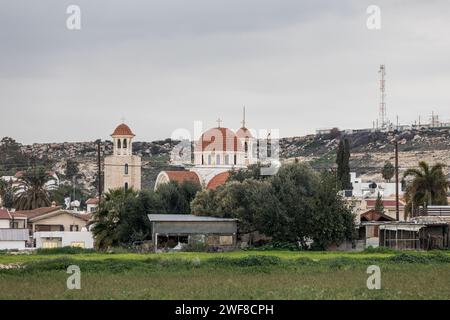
(14,234)
(186,218)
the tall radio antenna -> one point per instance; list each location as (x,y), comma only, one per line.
(384,122)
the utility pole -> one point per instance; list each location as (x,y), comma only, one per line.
(99,168)
(397,205)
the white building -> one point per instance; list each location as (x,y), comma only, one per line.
(57,239)
(11,237)
(371,189)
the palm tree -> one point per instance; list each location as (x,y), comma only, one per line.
(6,194)
(107,218)
(33,189)
(428,187)
(3,190)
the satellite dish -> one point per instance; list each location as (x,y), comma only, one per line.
(75,204)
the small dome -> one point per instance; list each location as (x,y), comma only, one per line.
(218,139)
(123,130)
(218,180)
(244,133)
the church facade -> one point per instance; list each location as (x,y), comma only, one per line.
(122,168)
(217,151)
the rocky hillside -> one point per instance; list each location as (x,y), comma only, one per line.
(370,150)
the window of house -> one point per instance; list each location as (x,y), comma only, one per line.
(218,159)
(226,240)
(126,168)
(74,227)
(227,159)
(78,244)
(50,244)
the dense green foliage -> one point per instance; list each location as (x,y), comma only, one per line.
(295,205)
(6,194)
(122,215)
(388,171)
(343,164)
(379,207)
(232,275)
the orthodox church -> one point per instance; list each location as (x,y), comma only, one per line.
(218,151)
(122,168)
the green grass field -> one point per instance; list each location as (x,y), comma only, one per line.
(234,275)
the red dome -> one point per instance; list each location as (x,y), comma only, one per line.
(244,133)
(218,180)
(218,139)
(123,130)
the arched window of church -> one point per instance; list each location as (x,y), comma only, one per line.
(119,144)
(209,159)
(126,186)
(126,168)
(124,143)
(203,160)
(218,159)
(246,146)
(227,159)
(235,159)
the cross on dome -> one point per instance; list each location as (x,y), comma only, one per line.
(219,121)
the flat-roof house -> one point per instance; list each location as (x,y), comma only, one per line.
(13,239)
(169,230)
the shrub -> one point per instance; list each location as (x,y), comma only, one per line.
(379,250)
(64,250)
(305,261)
(248,261)
(196,247)
(409,258)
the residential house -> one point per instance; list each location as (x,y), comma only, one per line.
(54,227)
(92,205)
(11,236)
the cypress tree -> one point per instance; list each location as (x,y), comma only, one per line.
(343,165)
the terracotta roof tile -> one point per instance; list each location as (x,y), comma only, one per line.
(243,133)
(181,176)
(37,212)
(373,215)
(92,201)
(218,139)
(4,214)
(218,180)
(122,130)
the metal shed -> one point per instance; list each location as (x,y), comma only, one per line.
(214,232)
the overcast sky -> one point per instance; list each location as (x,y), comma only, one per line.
(161,65)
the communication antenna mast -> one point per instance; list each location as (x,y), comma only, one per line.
(383,118)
